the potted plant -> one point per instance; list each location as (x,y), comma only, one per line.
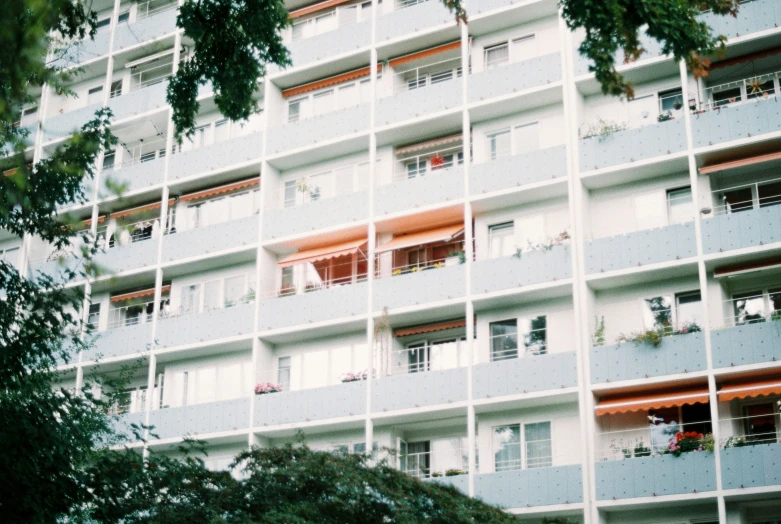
(267,387)
(684,443)
(437,161)
(664,117)
(454,472)
(677,104)
(455,257)
(641,450)
(353,377)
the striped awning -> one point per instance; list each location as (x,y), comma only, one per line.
(441,234)
(229,188)
(323,253)
(429,328)
(757,388)
(150,292)
(139,209)
(420,55)
(316,8)
(666,399)
(330,81)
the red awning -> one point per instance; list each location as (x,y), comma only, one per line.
(441,234)
(744,59)
(666,399)
(429,328)
(323,253)
(395,62)
(236,186)
(331,81)
(321,6)
(140,209)
(139,294)
(750,389)
(747,268)
(761,159)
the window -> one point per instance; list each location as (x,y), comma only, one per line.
(95,95)
(507,447)
(769,194)
(501,240)
(105,22)
(749,308)
(727,96)
(689,307)
(499,144)
(657,312)
(538,445)
(736,200)
(417,357)
(416,168)
(290,193)
(504,339)
(283,372)
(221,130)
(534,334)
(526,138)
(108,160)
(93,318)
(294,110)
(234,290)
(190,298)
(670,101)
(760,422)
(116,88)
(211,295)
(497,55)
(680,205)
(523,48)
(123,17)
(323,103)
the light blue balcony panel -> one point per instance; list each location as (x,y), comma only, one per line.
(759,15)
(419,102)
(328,45)
(414,390)
(319,129)
(289,407)
(139,101)
(230,152)
(693,472)
(632,145)
(125,258)
(123,425)
(60,126)
(339,210)
(748,344)
(531,487)
(58,269)
(414,19)
(216,324)
(524,375)
(460,482)
(630,361)
(318,306)
(737,121)
(119,342)
(134,177)
(201,419)
(751,466)
(640,248)
(84,50)
(436,187)
(145,29)
(517,171)
(651,46)
(535,267)
(751,228)
(212,239)
(420,288)
(512,78)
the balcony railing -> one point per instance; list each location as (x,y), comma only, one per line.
(431,162)
(422,76)
(151,75)
(650,440)
(151,8)
(751,430)
(131,314)
(753,309)
(505,346)
(433,464)
(745,197)
(424,357)
(740,91)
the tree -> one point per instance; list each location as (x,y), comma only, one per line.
(289,484)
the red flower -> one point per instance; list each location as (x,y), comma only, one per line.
(678,437)
(437,161)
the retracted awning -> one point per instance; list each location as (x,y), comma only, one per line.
(742,269)
(429,144)
(429,328)
(236,186)
(323,253)
(734,164)
(667,399)
(757,388)
(330,81)
(420,55)
(441,234)
(139,294)
(320,6)
(140,209)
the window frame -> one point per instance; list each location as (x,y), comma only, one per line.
(522,443)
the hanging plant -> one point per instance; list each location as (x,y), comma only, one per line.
(756,86)
(677,104)
(437,161)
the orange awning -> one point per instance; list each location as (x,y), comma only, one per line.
(394,62)
(140,209)
(429,144)
(750,389)
(139,294)
(744,59)
(441,234)
(747,268)
(667,399)
(761,159)
(330,81)
(429,328)
(316,8)
(323,253)
(236,186)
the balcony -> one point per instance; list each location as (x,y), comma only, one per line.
(631,361)
(533,267)
(545,486)
(751,455)
(347,38)
(122,425)
(735,121)
(510,172)
(633,145)
(120,342)
(652,47)
(751,466)
(82,51)
(421,287)
(322,213)
(316,306)
(750,343)
(192,328)
(201,419)
(754,16)
(289,407)
(741,229)
(528,374)
(323,128)
(127,257)
(516,77)
(419,389)
(235,150)
(412,17)
(148,25)
(144,97)
(210,239)
(655,476)
(640,248)
(63,125)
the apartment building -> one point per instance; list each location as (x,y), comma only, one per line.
(439,241)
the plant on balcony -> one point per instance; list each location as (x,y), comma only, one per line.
(755,86)
(354,377)
(545,245)
(689,441)
(460,253)
(664,117)
(641,450)
(599,331)
(688,327)
(739,442)
(454,472)
(602,129)
(651,337)
(311,286)
(437,161)
(267,387)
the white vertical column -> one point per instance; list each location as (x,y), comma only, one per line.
(579,287)
(703,277)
